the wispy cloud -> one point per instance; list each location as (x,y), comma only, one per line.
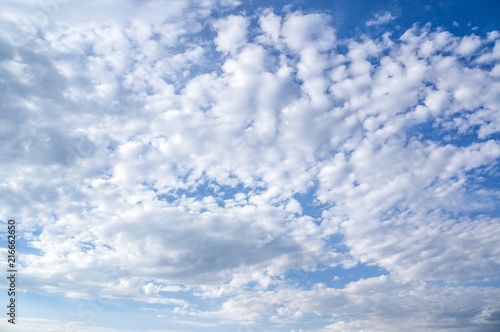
(380,19)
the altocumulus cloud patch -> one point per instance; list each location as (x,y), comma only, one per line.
(219,166)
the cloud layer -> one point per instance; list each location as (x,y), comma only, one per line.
(150,154)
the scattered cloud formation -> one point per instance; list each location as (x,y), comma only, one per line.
(248,169)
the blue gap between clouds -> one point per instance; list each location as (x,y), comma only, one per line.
(22,244)
(481,178)
(310,205)
(432,131)
(333,277)
(349,17)
(209,189)
(487,180)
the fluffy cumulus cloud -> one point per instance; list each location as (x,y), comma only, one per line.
(172,156)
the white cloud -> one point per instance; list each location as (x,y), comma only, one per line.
(231,33)
(492,56)
(493,35)
(270,24)
(381,19)
(468,45)
(300,31)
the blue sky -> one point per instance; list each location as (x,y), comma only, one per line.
(228,166)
